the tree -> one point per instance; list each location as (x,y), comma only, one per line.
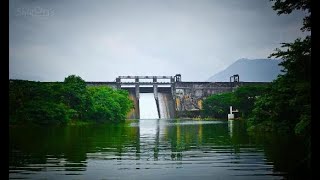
(296,82)
(287,106)
(58,103)
(75,95)
(287,6)
(35,102)
(217,105)
(108,104)
(245,96)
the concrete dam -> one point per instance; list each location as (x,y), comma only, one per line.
(173,97)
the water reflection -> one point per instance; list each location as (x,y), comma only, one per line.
(144,149)
(149,137)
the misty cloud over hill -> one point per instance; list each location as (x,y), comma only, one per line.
(250,70)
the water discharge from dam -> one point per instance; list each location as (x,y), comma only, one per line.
(164,105)
(148,106)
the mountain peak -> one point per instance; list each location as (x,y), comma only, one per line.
(243,59)
(250,70)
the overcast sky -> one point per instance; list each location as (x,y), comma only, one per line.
(100,40)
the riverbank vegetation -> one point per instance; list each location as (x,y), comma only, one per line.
(284,105)
(68,102)
(243,98)
(287,104)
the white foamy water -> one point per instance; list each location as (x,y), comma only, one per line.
(148,106)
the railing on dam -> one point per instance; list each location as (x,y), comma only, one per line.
(146,83)
(145,77)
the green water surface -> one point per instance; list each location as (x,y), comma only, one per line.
(153,149)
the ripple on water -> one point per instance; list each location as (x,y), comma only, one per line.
(146,149)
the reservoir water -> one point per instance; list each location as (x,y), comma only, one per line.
(152,149)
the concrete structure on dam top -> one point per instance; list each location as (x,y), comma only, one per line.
(178,98)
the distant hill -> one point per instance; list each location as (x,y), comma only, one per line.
(250,70)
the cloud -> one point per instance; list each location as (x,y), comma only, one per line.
(100,40)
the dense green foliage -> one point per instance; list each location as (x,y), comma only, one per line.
(287,106)
(243,98)
(108,104)
(63,102)
(217,106)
